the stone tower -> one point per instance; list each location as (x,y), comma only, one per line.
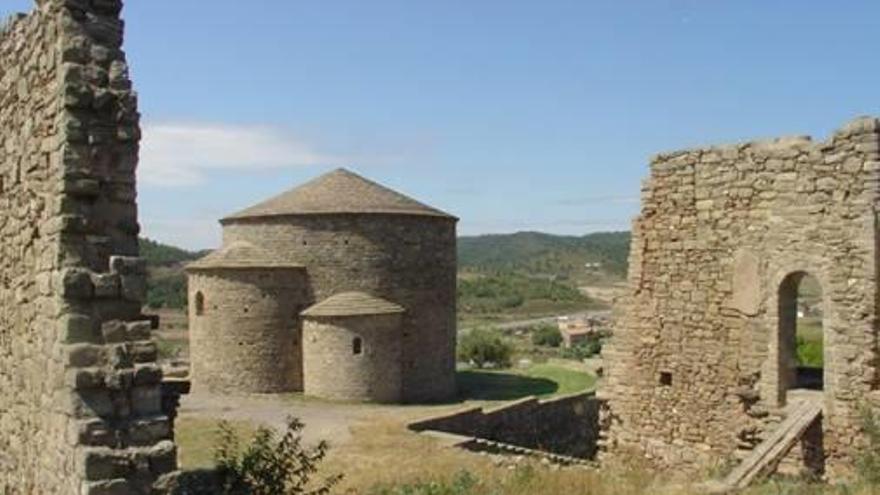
(702,359)
(335,235)
(81,408)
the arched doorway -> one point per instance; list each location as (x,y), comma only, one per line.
(801,340)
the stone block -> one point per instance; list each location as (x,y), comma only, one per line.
(109,487)
(134,287)
(100,463)
(149,431)
(93,402)
(95,432)
(85,378)
(143,352)
(139,330)
(147,374)
(84,355)
(114,331)
(128,265)
(79,328)
(77,284)
(163,458)
(119,380)
(146,400)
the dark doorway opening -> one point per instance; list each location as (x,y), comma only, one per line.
(801,336)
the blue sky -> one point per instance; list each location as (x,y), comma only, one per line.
(513,115)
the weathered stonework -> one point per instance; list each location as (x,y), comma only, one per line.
(566,425)
(336,370)
(701,357)
(81,408)
(346,234)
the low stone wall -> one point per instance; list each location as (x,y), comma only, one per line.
(567,425)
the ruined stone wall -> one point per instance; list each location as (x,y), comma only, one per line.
(81,405)
(567,425)
(407,259)
(247,337)
(333,370)
(694,365)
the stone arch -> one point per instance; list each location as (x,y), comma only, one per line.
(780,372)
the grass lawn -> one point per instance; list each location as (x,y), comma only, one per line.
(540,379)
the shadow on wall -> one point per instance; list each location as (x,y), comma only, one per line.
(482,385)
(567,425)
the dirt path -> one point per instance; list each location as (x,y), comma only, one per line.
(330,421)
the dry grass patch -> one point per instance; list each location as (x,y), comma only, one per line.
(197,437)
(383,456)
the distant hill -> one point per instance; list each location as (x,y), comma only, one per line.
(539,254)
(166,282)
(159,254)
(532,254)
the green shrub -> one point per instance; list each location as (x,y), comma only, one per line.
(482,346)
(269,465)
(168,291)
(584,350)
(547,335)
(809,353)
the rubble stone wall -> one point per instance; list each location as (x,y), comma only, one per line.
(335,368)
(81,409)
(567,425)
(247,337)
(697,361)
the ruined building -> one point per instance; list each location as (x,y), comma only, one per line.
(81,410)
(339,288)
(702,364)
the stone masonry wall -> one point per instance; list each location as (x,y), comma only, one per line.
(407,259)
(248,335)
(697,363)
(332,369)
(567,425)
(80,411)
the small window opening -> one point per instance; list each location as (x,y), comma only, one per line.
(200,304)
(245,309)
(357,346)
(665,378)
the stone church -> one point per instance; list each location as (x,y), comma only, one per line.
(340,288)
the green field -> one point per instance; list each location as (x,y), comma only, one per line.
(540,379)
(810,349)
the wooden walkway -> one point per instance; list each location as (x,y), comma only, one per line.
(767,455)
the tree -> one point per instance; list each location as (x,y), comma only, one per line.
(482,346)
(547,335)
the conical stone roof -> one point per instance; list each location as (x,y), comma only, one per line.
(239,255)
(352,304)
(337,192)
